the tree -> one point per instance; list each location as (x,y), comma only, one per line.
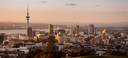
(73,52)
(31,54)
(50,52)
(51,46)
(81,50)
(89,52)
(118,47)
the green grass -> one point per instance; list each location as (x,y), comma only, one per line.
(110,56)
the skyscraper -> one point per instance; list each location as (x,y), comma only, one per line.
(95,31)
(76,29)
(1,39)
(29,32)
(50,29)
(33,33)
(91,29)
(104,31)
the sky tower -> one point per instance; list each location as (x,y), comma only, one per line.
(29,29)
(27,25)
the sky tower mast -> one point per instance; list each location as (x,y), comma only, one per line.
(29,29)
(27,17)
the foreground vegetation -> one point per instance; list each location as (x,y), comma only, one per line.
(109,56)
(52,52)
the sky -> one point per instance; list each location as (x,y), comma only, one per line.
(57,11)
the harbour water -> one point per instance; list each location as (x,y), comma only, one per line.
(23,31)
(17,31)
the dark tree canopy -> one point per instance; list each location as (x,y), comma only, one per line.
(50,52)
(51,44)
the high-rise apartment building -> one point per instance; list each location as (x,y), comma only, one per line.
(76,29)
(91,29)
(33,33)
(50,29)
(95,30)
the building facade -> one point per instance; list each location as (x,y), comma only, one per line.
(91,29)
(50,29)
(29,32)
(76,29)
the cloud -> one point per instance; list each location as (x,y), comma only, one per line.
(123,12)
(97,5)
(43,1)
(99,12)
(70,4)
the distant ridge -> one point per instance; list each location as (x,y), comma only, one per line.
(96,24)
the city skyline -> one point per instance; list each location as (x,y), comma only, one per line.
(63,28)
(52,11)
